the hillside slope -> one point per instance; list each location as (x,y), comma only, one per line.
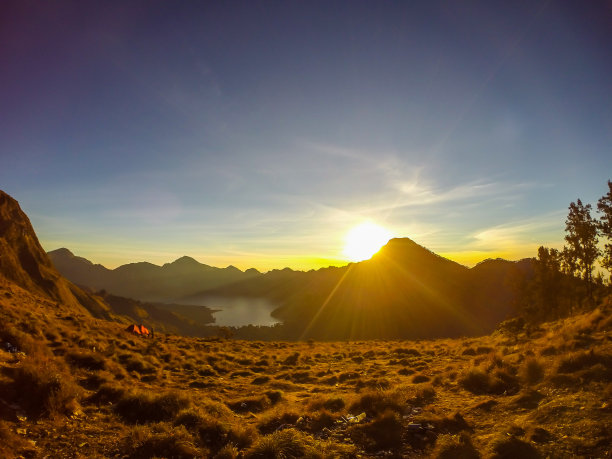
(24,262)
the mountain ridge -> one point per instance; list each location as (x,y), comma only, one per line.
(403,291)
(144,280)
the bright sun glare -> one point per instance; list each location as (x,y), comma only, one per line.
(364,240)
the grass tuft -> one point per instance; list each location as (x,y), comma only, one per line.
(143,407)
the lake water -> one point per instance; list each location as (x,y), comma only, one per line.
(235,312)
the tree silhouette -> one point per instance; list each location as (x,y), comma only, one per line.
(548,281)
(582,230)
(604,206)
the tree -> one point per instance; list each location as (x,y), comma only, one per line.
(569,267)
(548,281)
(582,230)
(604,206)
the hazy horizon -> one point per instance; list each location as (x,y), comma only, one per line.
(260,134)
(203,260)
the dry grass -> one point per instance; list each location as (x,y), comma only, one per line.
(44,387)
(116,395)
(144,407)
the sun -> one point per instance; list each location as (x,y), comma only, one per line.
(364,240)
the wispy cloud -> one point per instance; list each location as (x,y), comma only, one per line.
(519,233)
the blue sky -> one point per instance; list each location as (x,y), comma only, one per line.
(258,133)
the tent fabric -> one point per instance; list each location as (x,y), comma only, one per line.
(138,330)
(133,329)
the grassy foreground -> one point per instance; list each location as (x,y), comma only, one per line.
(81,387)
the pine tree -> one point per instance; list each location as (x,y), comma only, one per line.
(548,282)
(582,230)
(604,206)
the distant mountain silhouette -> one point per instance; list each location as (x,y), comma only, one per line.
(404,291)
(146,281)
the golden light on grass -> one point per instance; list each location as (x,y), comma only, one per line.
(364,240)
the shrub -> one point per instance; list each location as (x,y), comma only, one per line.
(451,424)
(290,443)
(385,432)
(213,433)
(302,377)
(404,351)
(93,381)
(347,376)
(260,380)
(142,407)
(242,436)
(161,441)
(253,404)
(22,341)
(275,396)
(528,399)
(227,452)
(405,371)
(424,394)
(455,447)
(135,362)
(107,393)
(504,382)
(282,444)
(45,388)
(420,378)
(476,381)
(581,360)
(511,447)
(322,419)
(564,380)
(88,360)
(292,359)
(376,402)
(276,419)
(331,404)
(532,371)
(548,350)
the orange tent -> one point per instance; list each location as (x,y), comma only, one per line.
(133,329)
(138,330)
